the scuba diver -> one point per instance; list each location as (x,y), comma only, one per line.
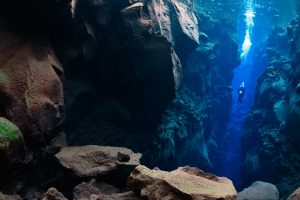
(241,92)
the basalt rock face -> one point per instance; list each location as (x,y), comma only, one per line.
(178,22)
(12,146)
(270,142)
(195,122)
(131,72)
(31,92)
(31,88)
(116,61)
(109,68)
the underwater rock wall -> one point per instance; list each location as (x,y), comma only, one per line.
(31,84)
(193,128)
(132,71)
(85,72)
(116,66)
(99,72)
(270,142)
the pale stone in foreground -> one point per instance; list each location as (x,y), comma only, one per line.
(182,183)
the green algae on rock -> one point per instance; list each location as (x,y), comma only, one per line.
(13,150)
(8,132)
(3,77)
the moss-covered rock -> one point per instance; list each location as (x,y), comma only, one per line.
(13,150)
(8,132)
(3,77)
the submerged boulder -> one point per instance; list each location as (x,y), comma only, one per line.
(86,189)
(182,183)
(9,197)
(53,194)
(295,195)
(12,145)
(9,133)
(259,191)
(94,190)
(92,161)
(180,25)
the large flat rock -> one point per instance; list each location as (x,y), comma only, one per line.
(182,183)
(92,161)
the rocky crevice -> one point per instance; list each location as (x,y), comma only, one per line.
(195,121)
(271,131)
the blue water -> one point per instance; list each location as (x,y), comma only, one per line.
(268,14)
(240,111)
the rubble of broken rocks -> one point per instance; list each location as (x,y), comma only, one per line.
(114,173)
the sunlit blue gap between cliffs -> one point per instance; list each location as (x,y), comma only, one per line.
(232,160)
(250,14)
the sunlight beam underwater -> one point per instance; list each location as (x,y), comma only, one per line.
(250,14)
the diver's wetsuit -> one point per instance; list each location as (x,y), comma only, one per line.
(241,92)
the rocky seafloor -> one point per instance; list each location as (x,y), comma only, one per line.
(83,82)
